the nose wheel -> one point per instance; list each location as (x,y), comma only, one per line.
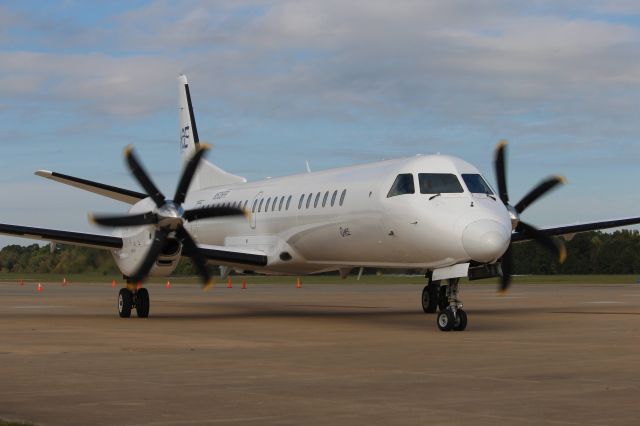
(130,298)
(444,299)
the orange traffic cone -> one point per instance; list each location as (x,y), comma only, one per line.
(299,284)
(168,285)
(244,284)
(40,288)
(21,282)
(229,283)
(113,284)
(64,282)
(139,286)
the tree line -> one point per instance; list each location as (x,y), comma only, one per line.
(589,253)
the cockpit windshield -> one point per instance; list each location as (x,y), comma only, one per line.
(476,184)
(439,183)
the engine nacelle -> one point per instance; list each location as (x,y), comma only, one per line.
(136,243)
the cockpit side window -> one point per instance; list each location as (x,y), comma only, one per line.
(439,183)
(402,185)
(476,184)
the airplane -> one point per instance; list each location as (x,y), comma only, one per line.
(435,213)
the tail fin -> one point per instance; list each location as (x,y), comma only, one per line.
(189,140)
(208,175)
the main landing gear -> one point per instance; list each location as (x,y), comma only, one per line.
(444,299)
(131,297)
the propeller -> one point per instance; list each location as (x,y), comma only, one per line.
(555,246)
(168,217)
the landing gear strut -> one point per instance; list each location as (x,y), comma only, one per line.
(131,297)
(444,298)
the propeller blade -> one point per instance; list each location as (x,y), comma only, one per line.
(501,171)
(125,221)
(541,189)
(143,178)
(507,270)
(159,240)
(209,212)
(187,175)
(554,245)
(191,249)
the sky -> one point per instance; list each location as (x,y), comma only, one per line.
(275,83)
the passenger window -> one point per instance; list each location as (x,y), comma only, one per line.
(260,206)
(333,197)
(266,206)
(288,201)
(309,200)
(280,206)
(439,183)
(324,199)
(300,202)
(344,194)
(245,204)
(402,185)
(275,201)
(253,207)
(315,203)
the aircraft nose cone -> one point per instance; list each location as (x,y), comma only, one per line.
(485,240)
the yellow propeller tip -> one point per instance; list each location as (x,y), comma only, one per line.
(503,292)
(128,149)
(503,142)
(91,218)
(208,286)
(562,179)
(247,214)
(205,146)
(563,255)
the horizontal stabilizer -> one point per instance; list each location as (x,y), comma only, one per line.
(62,237)
(120,194)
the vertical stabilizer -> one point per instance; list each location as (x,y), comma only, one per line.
(189,139)
(208,175)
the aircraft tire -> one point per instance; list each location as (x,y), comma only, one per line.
(460,322)
(445,320)
(142,303)
(430,298)
(125,303)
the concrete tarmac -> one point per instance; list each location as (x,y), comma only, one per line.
(344,354)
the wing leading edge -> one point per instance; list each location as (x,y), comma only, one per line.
(120,194)
(63,237)
(567,230)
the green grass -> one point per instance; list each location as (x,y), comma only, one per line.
(324,279)
(9,423)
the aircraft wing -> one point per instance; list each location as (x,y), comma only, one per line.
(231,256)
(575,229)
(120,194)
(62,237)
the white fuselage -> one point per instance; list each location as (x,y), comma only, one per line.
(350,221)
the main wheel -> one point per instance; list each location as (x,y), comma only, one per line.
(443,300)
(460,322)
(142,303)
(430,298)
(445,320)
(125,303)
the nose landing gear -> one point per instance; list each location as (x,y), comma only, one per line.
(444,298)
(131,297)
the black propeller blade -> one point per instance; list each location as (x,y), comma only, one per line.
(556,246)
(143,178)
(537,192)
(159,240)
(501,171)
(199,261)
(125,221)
(187,175)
